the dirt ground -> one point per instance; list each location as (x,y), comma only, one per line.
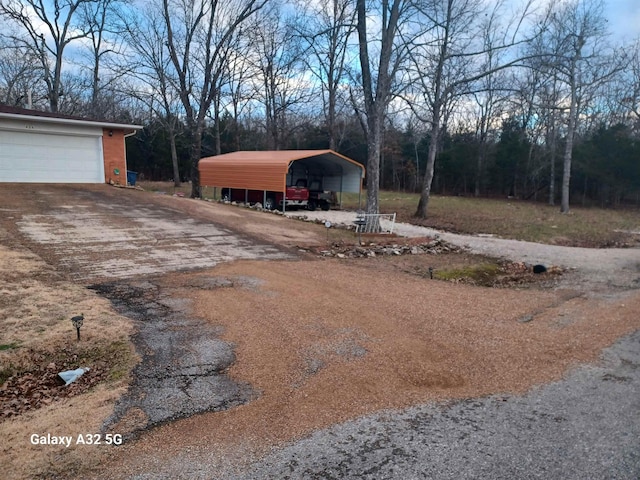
(319,340)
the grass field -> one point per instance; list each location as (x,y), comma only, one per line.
(536,222)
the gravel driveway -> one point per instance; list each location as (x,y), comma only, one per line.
(583,427)
(580,427)
(595,268)
(120,242)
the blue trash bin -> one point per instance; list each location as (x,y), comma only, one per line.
(132,177)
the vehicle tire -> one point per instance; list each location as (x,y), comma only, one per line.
(270,203)
(311,205)
(325,206)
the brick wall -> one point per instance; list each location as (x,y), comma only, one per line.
(113,148)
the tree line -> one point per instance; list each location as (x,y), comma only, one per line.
(516,98)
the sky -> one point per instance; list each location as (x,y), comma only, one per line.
(623,15)
(624,18)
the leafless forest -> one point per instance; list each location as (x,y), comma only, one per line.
(468,97)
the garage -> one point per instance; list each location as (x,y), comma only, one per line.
(276,178)
(40,147)
(38,157)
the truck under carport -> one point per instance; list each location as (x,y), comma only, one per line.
(265,175)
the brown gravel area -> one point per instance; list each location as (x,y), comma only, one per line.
(324,341)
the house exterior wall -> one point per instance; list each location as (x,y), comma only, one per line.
(114,154)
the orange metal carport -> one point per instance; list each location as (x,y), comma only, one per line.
(272,171)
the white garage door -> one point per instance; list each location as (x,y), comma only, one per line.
(50,158)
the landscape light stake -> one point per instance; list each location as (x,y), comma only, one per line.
(327,224)
(77,322)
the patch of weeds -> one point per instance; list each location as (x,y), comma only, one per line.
(480,274)
(120,359)
(9,346)
(117,374)
(115,357)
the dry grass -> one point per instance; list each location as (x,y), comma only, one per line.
(165,187)
(35,308)
(520,220)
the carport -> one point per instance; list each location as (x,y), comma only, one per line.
(273,171)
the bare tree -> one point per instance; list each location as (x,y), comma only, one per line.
(105,41)
(451,59)
(489,101)
(622,94)
(19,72)
(277,56)
(237,89)
(49,28)
(577,38)
(378,76)
(150,65)
(327,33)
(538,101)
(631,99)
(199,34)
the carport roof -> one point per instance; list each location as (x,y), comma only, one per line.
(267,170)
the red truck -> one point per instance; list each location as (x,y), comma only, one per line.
(296,197)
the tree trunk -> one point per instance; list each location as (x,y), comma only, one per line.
(568,151)
(425,194)
(196,150)
(174,155)
(374,144)
(216,124)
(552,164)
(331,120)
(95,89)
(479,168)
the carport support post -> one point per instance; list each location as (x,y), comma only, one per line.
(341,184)
(246,196)
(264,199)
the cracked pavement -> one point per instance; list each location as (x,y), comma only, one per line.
(183,365)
